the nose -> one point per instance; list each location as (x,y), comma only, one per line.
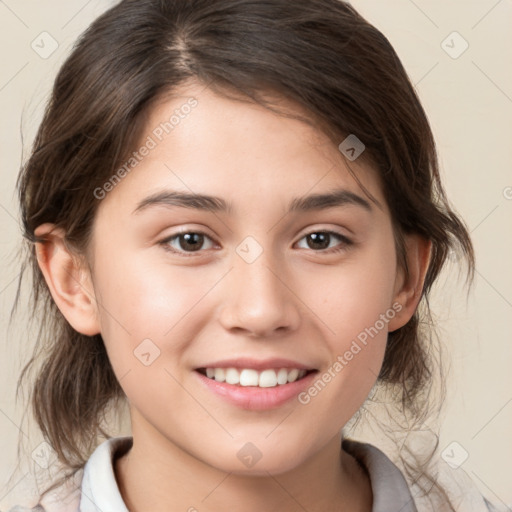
(258,299)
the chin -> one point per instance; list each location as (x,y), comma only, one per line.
(249,461)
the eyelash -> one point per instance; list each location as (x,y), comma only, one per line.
(345,242)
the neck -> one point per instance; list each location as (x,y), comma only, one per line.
(155,474)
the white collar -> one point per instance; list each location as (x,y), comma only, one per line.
(100,492)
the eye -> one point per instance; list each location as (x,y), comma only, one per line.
(186,242)
(321,240)
(193,241)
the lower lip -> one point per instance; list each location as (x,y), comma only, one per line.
(256,398)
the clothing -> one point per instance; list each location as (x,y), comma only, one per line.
(99,491)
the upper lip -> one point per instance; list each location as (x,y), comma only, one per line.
(244,362)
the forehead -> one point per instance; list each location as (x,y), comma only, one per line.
(198,141)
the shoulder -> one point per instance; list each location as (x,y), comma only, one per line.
(491,507)
(21,508)
(390,484)
(463,491)
(94,479)
(389,487)
(457,486)
(63,499)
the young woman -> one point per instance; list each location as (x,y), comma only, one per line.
(234,217)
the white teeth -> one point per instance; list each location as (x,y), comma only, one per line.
(219,374)
(249,377)
(282,376)
(232,376)
(268,379)
(292,375)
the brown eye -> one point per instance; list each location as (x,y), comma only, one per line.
(186,242)
(321,240)
(190,241)
(318,240)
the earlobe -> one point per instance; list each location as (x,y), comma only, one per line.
(68,280)
(408,291)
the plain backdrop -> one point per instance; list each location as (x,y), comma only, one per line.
(468,98)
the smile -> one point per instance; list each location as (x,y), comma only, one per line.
(267,378)
(250,389)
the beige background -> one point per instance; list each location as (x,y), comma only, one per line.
(469,103)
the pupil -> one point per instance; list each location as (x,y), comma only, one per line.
(194,241)
(322,237)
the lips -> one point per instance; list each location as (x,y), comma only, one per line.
(256,398)
(241,363)
(254,384)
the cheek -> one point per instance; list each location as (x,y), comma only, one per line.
(139,302)
(355,304)
(149,314)
(352,297)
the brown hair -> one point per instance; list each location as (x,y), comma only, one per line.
(320,54)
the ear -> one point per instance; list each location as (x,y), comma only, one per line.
(408,291)
(68,279)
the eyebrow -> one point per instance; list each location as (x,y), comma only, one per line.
(335,198)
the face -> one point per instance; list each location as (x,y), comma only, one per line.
(242,282)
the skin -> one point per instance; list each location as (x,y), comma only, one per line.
(296,300)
